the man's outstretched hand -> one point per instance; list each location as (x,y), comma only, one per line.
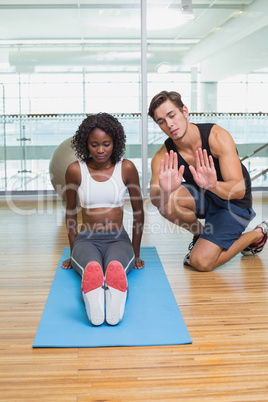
(170,177)
(204,174)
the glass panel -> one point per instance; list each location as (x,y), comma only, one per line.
(31,141)
(50,85)
(93,63)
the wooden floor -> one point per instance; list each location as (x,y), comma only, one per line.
(226,313)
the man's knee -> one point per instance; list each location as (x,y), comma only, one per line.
(201,264)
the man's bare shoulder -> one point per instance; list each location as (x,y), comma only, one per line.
(160,153)
(221,141)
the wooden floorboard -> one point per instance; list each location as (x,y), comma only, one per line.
(226,313)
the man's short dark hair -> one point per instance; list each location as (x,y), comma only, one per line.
(162,97)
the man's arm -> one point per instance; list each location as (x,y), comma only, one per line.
(154,183)
(222,146)
(166,177)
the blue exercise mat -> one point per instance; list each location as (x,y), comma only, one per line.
(152,316)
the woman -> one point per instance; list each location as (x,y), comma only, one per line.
(102,253)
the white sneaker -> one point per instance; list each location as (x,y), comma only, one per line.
(93,292)
(186,260)
(115,292)
(256,248)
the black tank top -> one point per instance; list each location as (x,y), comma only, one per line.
(205,130)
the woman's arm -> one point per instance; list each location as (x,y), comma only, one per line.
(132,182)
(72,180)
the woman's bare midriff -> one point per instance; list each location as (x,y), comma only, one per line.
(102,219)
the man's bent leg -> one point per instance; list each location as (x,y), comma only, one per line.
(206,255)
(181,210)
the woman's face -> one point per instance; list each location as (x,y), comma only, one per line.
(100,145)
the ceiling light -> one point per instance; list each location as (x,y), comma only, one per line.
(162,19)
(163,68)
(187,9)
(238,13)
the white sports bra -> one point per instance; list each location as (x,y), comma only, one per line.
(105,194)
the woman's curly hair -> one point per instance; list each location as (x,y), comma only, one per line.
(105,122)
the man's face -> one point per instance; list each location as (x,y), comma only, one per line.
(171,120)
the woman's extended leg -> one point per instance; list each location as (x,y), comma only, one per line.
(87,262)
(119,260)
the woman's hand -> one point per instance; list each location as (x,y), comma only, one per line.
(139,264)
(67,264)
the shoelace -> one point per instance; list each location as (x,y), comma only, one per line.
(253,252)
(191,245)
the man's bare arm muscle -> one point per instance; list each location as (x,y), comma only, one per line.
(223,147)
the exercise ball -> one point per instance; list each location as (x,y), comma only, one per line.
(60,160)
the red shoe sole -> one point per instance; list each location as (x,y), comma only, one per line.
(116,277)
(93,277)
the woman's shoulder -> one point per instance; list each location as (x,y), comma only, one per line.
(129,172)
(73,171)
(127,164)
(74,166)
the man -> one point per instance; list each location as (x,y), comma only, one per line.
(216,186)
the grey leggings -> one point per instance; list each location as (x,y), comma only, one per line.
(102,247)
